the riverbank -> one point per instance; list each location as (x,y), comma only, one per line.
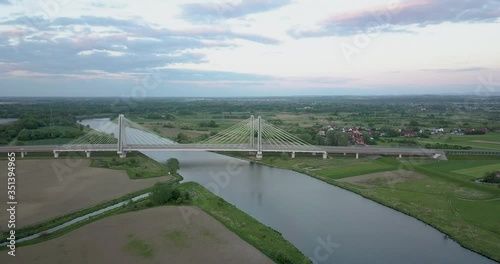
(437,194)
(263,238)
(146,236)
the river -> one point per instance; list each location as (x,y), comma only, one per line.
(326,223)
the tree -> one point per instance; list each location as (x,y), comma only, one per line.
(173,165)
(161,194)
(182,138)
(336,138)
(414,123)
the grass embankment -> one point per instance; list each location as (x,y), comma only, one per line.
(447,198)
(264,238)
(136,164)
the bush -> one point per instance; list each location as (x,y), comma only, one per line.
(164,193)
(490,177)
(161,194)
(281,258)
(187,196)
(173,165)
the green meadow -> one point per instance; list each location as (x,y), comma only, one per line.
(442,194)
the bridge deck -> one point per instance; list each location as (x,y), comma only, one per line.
(247,148)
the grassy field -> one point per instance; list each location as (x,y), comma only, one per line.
(489,141)
(444,195)
(137,165)
(477,172)
(336,168)
(267,240)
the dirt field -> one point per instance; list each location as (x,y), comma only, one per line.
(43,195)
(380,178)
(156,235)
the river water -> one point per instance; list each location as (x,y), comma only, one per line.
(326,223)
(4,121)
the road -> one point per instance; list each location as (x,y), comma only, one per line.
(195,147)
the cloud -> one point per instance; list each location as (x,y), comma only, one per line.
(394,18)
(5,2)
(225,9)
(139,29)
(75,45)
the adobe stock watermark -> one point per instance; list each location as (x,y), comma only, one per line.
(223,7)
(371,30)
(219,181)
(487,86)
(324,249)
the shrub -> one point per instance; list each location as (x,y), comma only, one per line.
(173,165)
(490,177)
(281,258)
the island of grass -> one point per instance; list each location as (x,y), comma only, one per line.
(444,195)
(136,164)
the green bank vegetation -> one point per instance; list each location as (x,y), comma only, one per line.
(264,238)
(446,197)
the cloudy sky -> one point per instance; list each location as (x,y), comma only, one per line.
(248,47)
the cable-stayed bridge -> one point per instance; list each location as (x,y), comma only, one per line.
(253,135)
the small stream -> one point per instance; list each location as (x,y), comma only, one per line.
(77,220)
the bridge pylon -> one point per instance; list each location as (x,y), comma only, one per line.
(121,137)
(252,131)
(259,138)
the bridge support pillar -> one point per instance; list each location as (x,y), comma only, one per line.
(400,156)
(345,154)
(22,154)
(314,153)
(87,153)
(56,154)
(293,155)
(325,155)
(122,154)
(259,138)
(357,155)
